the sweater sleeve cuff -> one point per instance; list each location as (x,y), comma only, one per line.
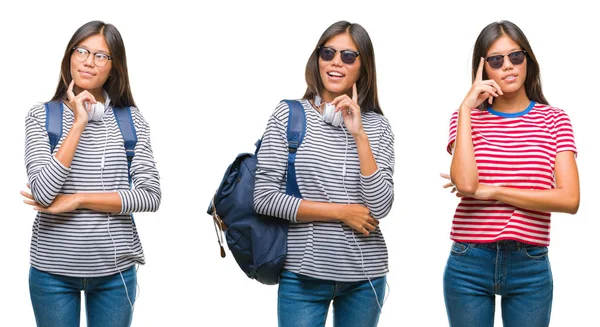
(124,203)
(295,206)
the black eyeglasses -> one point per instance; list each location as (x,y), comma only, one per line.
(100,59)
(328,53)
(516,58)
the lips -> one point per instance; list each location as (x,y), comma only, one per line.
(335,74)
(86,73)
(510,78)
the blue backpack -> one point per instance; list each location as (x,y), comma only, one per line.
(54,115)
(258,242)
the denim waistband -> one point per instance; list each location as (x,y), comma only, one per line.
(507,245)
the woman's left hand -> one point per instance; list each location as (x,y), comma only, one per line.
(350,111)
(62,203)
(483,192)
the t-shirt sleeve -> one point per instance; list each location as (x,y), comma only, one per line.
(453,129)
(565,138)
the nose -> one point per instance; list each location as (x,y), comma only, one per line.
(507,64)
(89,61)
(337,59)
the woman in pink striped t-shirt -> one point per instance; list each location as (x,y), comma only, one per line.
(513,164)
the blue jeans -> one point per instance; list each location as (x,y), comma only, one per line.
(304,301)
(519,272)
(56,299)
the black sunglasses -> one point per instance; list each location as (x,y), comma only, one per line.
(348,56)
(516,58)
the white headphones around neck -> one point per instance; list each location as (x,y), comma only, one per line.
(329,114)
(95,111)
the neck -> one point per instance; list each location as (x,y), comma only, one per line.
(511,102)
(318,108)
(97,93)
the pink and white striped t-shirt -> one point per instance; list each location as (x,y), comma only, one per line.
(515,150)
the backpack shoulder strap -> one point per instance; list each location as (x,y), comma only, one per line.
(296,129)
(54,116)
(125,122)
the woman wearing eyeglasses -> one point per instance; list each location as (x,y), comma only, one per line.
(84,237)
(513,164)
(344,168)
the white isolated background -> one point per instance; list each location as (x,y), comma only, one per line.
(207,76)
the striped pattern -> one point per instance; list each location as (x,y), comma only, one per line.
(78,243)
(517,152)
(327,250)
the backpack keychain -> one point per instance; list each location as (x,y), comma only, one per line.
(219,226)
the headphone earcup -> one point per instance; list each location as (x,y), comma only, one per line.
(337,119)
(96,112)
(331,117)
(328,113)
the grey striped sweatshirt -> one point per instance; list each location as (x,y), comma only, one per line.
(327,250)
(82,243)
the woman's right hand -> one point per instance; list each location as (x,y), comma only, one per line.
(481,90)
(77,104)
(359,218)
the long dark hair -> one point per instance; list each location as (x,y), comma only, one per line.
(117,85)
(367,81)
(492,32)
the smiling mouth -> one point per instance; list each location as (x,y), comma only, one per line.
(335,74)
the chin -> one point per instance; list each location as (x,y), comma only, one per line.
(86,85)
(511,88)
(335,89)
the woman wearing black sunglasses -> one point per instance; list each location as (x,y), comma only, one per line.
(513,164)
(344,168)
